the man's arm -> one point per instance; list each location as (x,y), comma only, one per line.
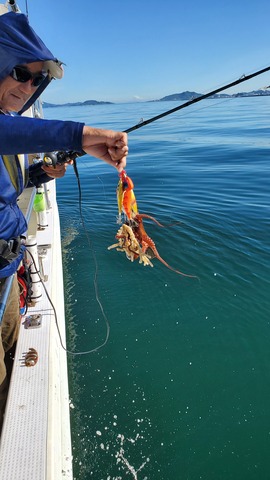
(29,135)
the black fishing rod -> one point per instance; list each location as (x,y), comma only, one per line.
(244,78)
(53,158)
(62,157)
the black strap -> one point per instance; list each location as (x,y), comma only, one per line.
(9,251)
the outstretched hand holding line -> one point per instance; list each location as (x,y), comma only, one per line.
(107,145)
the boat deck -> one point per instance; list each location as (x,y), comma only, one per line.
(35,441)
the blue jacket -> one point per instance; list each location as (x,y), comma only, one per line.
(21,135)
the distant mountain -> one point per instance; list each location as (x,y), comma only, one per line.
(180,96)
(75,104)
(191,95)
(184,96)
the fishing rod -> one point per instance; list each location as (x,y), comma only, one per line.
(52,158)
(244,78)
(62,157)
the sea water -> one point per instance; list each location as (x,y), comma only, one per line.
(181,390)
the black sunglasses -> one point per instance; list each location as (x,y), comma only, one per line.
(23,75)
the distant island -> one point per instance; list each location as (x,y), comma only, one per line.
(184,96)
(75,104)
(190,95)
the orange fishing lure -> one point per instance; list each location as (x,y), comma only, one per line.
(126,197)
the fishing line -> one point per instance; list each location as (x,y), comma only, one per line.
(195,110)
(52,159)
(104,192)
(95,262)
(56,319)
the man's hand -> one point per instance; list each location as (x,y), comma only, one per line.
(55,172)
(107,145)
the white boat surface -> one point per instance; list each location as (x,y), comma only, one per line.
(36,439)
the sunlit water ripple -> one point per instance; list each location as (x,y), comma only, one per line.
(181,390)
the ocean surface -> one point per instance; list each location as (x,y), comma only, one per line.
(181,390)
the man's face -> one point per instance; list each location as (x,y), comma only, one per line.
(13,94)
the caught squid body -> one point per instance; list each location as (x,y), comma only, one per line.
(131,236)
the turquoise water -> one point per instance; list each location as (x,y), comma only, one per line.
(181,391)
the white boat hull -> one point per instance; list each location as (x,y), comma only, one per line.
(35,440)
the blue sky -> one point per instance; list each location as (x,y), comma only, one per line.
(123,50)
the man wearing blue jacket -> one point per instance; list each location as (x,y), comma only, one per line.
(26,69)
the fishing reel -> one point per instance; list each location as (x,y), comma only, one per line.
(51,159)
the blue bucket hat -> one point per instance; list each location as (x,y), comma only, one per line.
(19,45)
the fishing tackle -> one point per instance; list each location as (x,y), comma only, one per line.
(125,197)
(243,78)
(132,237)
(64,156)
(126,237)
(120,196)
(54,158)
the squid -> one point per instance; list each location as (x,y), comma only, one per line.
(132,237)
